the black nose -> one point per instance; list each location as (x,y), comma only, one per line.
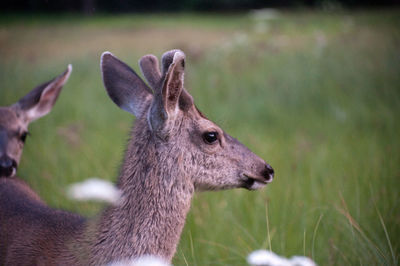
(7,166)
(268,173)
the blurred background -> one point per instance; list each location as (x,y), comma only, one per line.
(313,87)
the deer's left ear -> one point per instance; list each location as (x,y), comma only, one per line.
(39,101)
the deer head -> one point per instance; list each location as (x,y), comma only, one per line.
(208,156)
(14,120)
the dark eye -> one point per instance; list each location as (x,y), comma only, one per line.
(23,136)
(210,137)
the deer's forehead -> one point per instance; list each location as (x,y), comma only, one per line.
(202,122)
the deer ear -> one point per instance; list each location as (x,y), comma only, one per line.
(39,101)
(167,59)
(173,83)
(165,106)
(124,86)
(185,99)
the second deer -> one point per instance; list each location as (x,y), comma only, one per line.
(174,151)
(14,120)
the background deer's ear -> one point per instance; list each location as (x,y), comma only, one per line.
(124,86)
(165,105)
(39,101)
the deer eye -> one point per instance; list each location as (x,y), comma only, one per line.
(210,137)
(23,136)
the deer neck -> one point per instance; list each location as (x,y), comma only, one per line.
(156,195)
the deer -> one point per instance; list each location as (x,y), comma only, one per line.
(15,119)
(173,151)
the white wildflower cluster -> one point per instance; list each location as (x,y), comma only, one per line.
(146,260)
(94,189)
(269,258)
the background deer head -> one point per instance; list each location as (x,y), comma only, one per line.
(14,120)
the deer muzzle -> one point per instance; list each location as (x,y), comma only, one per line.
(253,182)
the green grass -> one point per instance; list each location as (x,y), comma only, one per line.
(317,95)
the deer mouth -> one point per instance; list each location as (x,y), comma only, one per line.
(254,182)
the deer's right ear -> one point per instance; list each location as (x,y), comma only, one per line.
(124,86)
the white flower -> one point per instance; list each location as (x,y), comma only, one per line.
(269,258)
(94,189)
(146,260)
(266,258)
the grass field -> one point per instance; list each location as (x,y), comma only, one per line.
(316,94)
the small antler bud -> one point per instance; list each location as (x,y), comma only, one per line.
(150,70)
